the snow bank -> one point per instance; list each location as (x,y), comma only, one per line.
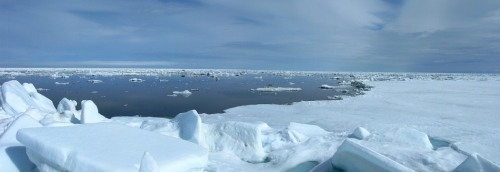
(324,86)
(108,147)
(276,89)
(12,153)
(351,156)
(242,139)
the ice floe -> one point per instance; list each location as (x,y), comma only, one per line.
(136,80)
(61,83)
(276,89)
(185,93)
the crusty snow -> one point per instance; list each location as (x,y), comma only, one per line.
(407,122)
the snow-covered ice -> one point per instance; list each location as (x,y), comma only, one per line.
(17,98)
(108,147)
(90,113)
(360,133)
(351,156)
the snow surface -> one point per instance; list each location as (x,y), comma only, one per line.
(12,153)
(458,112)
(108,147)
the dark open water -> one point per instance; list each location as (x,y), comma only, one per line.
(117,96)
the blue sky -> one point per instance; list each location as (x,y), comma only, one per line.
(327,35)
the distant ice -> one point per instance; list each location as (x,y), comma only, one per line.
(136,80)
(62,83)
(276,89)
(94,81)
(185,93)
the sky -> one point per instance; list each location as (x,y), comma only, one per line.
(319,35)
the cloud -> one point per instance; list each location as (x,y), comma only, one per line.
(372,35)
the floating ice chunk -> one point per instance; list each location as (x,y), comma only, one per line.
(12,153)
(90,113)
(360,133)
(94,81)
(148,163)
(306,129)
(185,93)
(406,136)
(351,156)
(42,89)
(182,92)
(189,124)
(62,83)
(344,83)
(243,139)
(108,147)
(136,80)
(476,163)
(324,86)
(276,89)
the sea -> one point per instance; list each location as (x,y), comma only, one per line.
(152,96)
